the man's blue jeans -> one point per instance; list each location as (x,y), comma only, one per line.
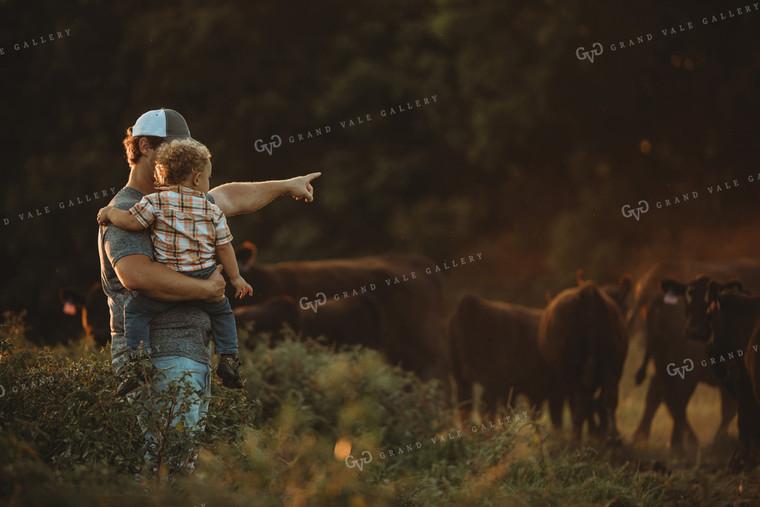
(174,367)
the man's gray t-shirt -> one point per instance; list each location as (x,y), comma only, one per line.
(182,331)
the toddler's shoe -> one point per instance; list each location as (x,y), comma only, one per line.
(229,371)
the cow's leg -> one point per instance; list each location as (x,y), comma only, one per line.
(691,437)
(749,433)
(728,410)
(580,408)
(677,393)
(749,413)
(608,402)
(655,396)
(753,428)
(556,402)
(677,408)
(749,417)
(754,439)
(739,460)
(597,411)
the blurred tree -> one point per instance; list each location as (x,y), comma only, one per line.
(525,144)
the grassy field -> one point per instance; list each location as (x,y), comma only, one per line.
(65,440)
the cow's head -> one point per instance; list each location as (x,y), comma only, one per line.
(702,303)
(697,301)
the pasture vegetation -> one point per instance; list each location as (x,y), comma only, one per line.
(65,440)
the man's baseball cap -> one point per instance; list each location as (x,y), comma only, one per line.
(166,123)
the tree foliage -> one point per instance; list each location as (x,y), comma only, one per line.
(520,133)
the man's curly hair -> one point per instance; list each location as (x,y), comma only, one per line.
(132,146)
(175,160)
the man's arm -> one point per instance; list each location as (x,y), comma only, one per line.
(237,198)
(153,279)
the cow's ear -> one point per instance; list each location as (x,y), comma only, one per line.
(625,284)
(579,276)
(734,285)
(246,253)
(673,287)
(71,295)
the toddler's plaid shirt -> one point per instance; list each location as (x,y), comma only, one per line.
(187,227)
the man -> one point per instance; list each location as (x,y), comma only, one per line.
(180,337)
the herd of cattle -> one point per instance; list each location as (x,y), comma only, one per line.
(572,350)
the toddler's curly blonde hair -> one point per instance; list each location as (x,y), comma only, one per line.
(175,160)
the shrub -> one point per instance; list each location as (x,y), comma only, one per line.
(65,440)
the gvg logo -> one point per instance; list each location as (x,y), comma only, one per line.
(314,305)
(595,51)
(275,142)
(352,462)
(636,213)
(673,370)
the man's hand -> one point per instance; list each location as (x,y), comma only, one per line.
(238,198)
(300,187)
(241,287)
(216,285)
(103,215)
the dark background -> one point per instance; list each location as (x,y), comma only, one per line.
(527,156)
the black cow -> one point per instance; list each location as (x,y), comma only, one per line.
(727,321)
(583,337)
(404,287)
(496,345)
(666,345)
